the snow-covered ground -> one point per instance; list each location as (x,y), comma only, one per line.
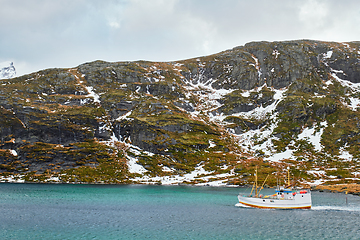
(248,139)
(207,97)
(199,174)
(7,70)
(17,178)
(92,94)
(313,136)
(345,155)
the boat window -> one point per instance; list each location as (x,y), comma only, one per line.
(264,200)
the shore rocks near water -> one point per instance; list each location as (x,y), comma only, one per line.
(341,188)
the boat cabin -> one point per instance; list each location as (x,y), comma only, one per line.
(288,193)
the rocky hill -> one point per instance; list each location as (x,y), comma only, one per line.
(208,120)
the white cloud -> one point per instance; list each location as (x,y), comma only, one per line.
(314,13)
(114,24)
(40,34)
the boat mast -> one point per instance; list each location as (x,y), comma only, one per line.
(288,177)
(256,194)
(262,186)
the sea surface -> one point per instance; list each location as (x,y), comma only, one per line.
(59,211)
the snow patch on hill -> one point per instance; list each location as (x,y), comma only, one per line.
(263,136)
(92,94)
(313,136)
(344,154)
(207,96)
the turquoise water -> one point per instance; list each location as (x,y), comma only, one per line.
(45,211)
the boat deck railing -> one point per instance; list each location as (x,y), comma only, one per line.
(276,196)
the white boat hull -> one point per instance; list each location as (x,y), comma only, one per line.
(299,201)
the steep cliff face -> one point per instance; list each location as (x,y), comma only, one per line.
(204,120)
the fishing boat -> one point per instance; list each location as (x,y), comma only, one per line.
(285,197)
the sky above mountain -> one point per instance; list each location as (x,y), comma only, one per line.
(41,34)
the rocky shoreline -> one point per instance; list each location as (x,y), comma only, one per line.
(340,188)
(352,188)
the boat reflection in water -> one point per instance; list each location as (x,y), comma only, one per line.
(285,197)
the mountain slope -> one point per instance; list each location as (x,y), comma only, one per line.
(208,120)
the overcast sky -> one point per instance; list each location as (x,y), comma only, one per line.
(40,34)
